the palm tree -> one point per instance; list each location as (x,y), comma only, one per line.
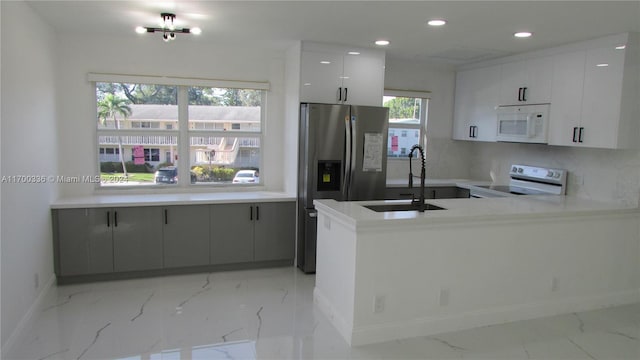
(109,107)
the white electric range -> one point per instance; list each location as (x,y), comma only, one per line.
(525,180)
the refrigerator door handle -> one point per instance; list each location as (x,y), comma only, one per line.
(347,160)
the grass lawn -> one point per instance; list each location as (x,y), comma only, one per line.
(140,177)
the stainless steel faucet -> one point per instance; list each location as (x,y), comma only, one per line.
(422,176)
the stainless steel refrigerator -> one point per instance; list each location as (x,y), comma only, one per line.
(342,156)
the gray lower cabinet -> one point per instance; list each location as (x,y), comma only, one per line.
(252,232)
(96,241)
(185,235)
(275,231)
(84,241)
(232,233)
(137,238)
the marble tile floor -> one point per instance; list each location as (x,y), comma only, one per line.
(269,314)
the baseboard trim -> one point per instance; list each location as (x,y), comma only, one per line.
(339,322)
(27,318)
(462,321)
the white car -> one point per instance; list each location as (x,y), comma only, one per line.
(246,177)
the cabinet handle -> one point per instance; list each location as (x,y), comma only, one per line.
(250,212)
(108,219)
(524,94)
(580,132)
(475,131)
(166,216)
(339,94)
(471,131)
(115,218)
(519,94)
(575,132)
(346,93)
(258,209)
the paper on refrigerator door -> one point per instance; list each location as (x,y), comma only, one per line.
(373,152)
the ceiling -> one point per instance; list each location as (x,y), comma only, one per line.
(476,30)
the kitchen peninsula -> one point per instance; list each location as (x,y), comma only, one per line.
(391,275)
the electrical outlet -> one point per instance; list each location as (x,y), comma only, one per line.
(378,303)
(36,280)
(443,298)
(554,284)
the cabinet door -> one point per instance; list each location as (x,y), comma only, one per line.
(526,81)
(84,240)
(137,238)
(565,111)
(185,235)
(477,95)
(363,78)
(602,97)
(320,77)
(232,233)
(513,78)
(275,227)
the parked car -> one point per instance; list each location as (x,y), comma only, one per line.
(246,176)
(166,175)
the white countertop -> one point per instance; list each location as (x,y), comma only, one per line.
(170,199)
(504,208)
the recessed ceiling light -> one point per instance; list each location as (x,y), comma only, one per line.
(602,65)
(353,53)
(196,31)
(621,47)
(141,30)
(436,22)
(522,34)
(382,42)
(325,62)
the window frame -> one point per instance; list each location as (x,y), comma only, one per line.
(182,133)
(425,97)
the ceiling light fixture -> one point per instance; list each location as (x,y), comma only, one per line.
(382,42)
(168,28)
(522,34)
(621,47)
(353,53)
(436,22)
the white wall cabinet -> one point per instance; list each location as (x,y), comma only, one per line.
(329,74)
(595,96)
(526,81)
(477,95)
(593,87)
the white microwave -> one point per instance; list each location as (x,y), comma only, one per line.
(523,123)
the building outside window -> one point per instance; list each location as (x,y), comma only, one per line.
(408,118)
(141,127)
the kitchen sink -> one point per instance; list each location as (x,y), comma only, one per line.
(401,207)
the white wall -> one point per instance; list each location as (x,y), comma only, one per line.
(446,158)
(292,115)
(28,148)
(148,55)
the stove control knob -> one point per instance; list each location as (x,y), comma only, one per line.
(514,169)
(520,170)
(556,175)
(550,174)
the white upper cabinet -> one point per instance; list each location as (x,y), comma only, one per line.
(335,75)
(602,109)
(477,95)
(526,81)
(566,100)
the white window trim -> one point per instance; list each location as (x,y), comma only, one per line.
(426,97)
(177,81)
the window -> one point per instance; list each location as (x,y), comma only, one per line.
(225,133)
(140,127)
(407,117)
